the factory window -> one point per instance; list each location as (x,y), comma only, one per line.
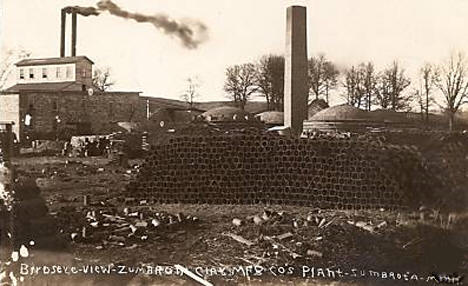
(54,105)
(83,73)
(21,73)
(44,72)
(31,73)
(58,72)
(69,72)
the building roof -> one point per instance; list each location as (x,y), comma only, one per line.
(226,113)
(315,106)
(320,102)
(250,106)
(44,86)
(56,87)
(52,61)
(271,117)
(342,112)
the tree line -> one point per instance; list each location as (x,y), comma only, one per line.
(360,85)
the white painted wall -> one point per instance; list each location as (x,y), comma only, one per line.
(51,73)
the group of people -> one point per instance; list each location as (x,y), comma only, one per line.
(88,148)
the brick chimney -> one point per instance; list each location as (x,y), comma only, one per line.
(73,47)
(295,74)
(62,32)
(63,21)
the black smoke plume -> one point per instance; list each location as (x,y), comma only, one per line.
(191,33)
(84,11)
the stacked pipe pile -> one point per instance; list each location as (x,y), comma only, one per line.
(454,156)
(344,173)
(446,159)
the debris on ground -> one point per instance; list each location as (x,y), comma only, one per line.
(109,227)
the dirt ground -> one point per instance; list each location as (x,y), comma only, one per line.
(230,244)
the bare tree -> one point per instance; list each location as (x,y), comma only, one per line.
(323,77)
(370,80)
(353,83)
(423,94)
(270,80)
(9,58)
(193,84)
(240,83)
(102,79)
(391,84)
(360,83)
(419,98)
(452,81)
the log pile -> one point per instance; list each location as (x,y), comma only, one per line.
(330,172)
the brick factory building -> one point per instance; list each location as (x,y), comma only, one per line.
(54,96)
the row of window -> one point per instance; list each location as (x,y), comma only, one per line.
(60,72)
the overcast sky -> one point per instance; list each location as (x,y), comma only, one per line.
(143,58)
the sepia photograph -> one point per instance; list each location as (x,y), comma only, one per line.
(222,142)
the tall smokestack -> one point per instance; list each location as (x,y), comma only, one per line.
(295,74)
(73,47)
(62,33)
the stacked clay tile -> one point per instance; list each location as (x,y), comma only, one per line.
(453,156)
(445,156)
(450,165)
(344,173)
